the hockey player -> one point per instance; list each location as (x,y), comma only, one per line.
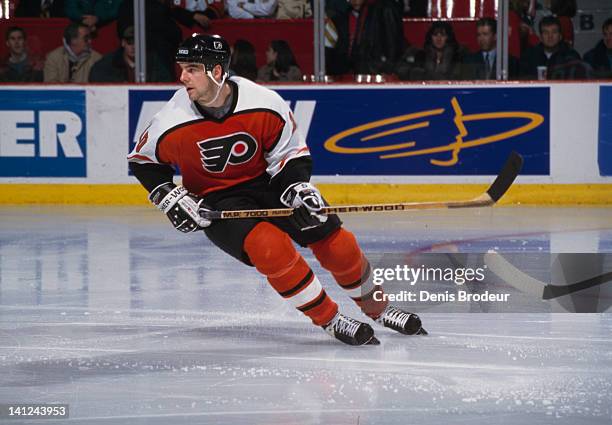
(238,147)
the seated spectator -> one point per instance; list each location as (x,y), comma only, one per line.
(482,65)
(525,17)
(93,13)
(243,62)
(72,62)
(600,57)
(561,60)
(565,10)
(370,38)
(294,9)
(249,9)
(442,55)
(119,66)
(281,65)
(19,66)
(40,9)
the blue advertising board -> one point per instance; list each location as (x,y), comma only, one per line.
(408,131)
(43,133)
(462,131)
(604,154)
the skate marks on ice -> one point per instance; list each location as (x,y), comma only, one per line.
(203,368)
(89,317)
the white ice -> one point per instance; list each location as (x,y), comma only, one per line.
(112,311)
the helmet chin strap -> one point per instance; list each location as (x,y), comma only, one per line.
(219,86)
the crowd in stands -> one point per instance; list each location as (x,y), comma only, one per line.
(362,37)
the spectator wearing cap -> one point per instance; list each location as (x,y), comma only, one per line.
(19,66)
(600,57)
(119,66)
(93,13)
(71,62)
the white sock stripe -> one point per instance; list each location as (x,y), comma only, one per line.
(306,295)
(365,288)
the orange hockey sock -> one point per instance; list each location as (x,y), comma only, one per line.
(273,254)
(340,254)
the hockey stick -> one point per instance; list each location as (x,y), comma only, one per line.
(530,285)
(499,187)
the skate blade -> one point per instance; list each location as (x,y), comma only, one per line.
(373,341)
(422,331)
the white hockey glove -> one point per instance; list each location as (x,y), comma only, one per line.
(186,212)
(307,201)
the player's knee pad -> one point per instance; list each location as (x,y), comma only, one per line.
(339,252)
(270,249)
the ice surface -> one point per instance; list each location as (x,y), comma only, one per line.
(130,322)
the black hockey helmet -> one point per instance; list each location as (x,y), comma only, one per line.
(209,50)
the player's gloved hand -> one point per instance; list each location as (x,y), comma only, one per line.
(186,212)
(307,201)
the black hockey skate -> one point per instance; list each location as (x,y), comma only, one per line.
(351,331)
(401,321)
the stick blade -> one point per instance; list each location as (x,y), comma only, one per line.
(506,177)
(513,276)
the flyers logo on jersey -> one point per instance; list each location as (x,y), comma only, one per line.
(233,149)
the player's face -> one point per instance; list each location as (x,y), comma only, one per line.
(438,39)
(199,87)
(16,43)
(487,39)
(551,36)
(607,36)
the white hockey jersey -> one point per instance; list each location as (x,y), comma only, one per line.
(257,135)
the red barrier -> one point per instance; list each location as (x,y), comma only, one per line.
(45,35)
(299,33)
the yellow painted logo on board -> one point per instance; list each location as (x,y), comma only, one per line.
(410,148)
